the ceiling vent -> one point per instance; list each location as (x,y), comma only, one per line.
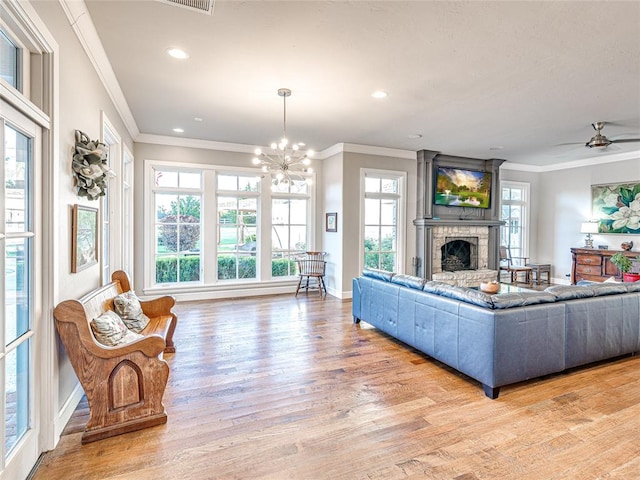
(202,6)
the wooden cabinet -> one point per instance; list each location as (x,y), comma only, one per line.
(595,265)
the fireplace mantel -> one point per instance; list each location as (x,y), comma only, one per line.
(472,222)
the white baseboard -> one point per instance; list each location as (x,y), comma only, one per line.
(67,410)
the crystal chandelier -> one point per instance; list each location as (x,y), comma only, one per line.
(285,162)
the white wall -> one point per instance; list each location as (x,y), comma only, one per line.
(332,242)
(564,201)
(352,164)
(82,101)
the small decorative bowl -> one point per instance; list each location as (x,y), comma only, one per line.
(490,287)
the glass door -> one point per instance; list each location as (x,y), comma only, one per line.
(17,326)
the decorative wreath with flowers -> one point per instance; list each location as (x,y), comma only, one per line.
(90,167)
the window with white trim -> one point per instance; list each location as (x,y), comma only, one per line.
(127,210)
(237,226)
(289,223)
(240,228)
(9,60)
(514,211)
(177,199)
(383,214)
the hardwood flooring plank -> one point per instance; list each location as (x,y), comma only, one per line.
(283,388)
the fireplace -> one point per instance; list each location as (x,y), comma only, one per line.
(454,244)
(459,254)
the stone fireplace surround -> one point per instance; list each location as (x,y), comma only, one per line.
(435,224)
(459,253)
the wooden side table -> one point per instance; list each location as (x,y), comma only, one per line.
(538,269)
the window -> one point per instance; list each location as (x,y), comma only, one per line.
(289,238)
(383,219)
(237,226)
(111,238)
(9,64)
(289,225)
(127,211)
(221,226)
(514,208)
(20,252)
(27,202)
(177,200)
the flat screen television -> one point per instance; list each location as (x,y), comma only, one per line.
(458,187)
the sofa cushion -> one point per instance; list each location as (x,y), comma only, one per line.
(608,289)
(522,299)
(633,286)
(463,294)
(569,292)
(379,274)
(408,281)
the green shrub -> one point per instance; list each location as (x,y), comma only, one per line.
(167,269)
(227,267)
(282,267)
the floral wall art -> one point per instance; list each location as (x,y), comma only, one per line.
(90,167)
(616,207)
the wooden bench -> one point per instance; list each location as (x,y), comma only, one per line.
(124,384)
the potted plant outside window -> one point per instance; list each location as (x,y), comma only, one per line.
(626,265)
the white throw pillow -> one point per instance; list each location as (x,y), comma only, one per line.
(109,329)
(128,307)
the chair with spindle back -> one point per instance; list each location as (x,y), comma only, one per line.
(311,269)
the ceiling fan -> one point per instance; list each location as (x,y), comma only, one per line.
(600,141)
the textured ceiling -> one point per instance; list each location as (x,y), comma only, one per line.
(467,76)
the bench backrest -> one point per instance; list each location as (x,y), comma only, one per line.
(73,317)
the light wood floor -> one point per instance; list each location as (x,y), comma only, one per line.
(285,388)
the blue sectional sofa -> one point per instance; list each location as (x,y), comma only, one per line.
(504,338)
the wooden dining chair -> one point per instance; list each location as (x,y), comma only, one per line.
(311,272)
(507,265)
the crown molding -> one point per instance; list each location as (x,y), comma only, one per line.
(80,20)
(585,162)
(242,148)
(194,143)
(372,150)
(367,150)
(380,151)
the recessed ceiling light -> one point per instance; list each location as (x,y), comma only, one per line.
(178,130)
(498,147)
(197,119)
(379,94)
(177,53)
(414,136)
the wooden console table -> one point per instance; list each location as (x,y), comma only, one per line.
(595,265)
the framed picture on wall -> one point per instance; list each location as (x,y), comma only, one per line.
(84,237)
(616,207)
(332,222)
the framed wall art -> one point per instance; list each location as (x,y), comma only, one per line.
(616,207)
(332,222)
(84,237)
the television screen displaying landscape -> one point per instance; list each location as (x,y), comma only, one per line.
(456,187)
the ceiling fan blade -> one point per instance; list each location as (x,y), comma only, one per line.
(626,140)
(568,144)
